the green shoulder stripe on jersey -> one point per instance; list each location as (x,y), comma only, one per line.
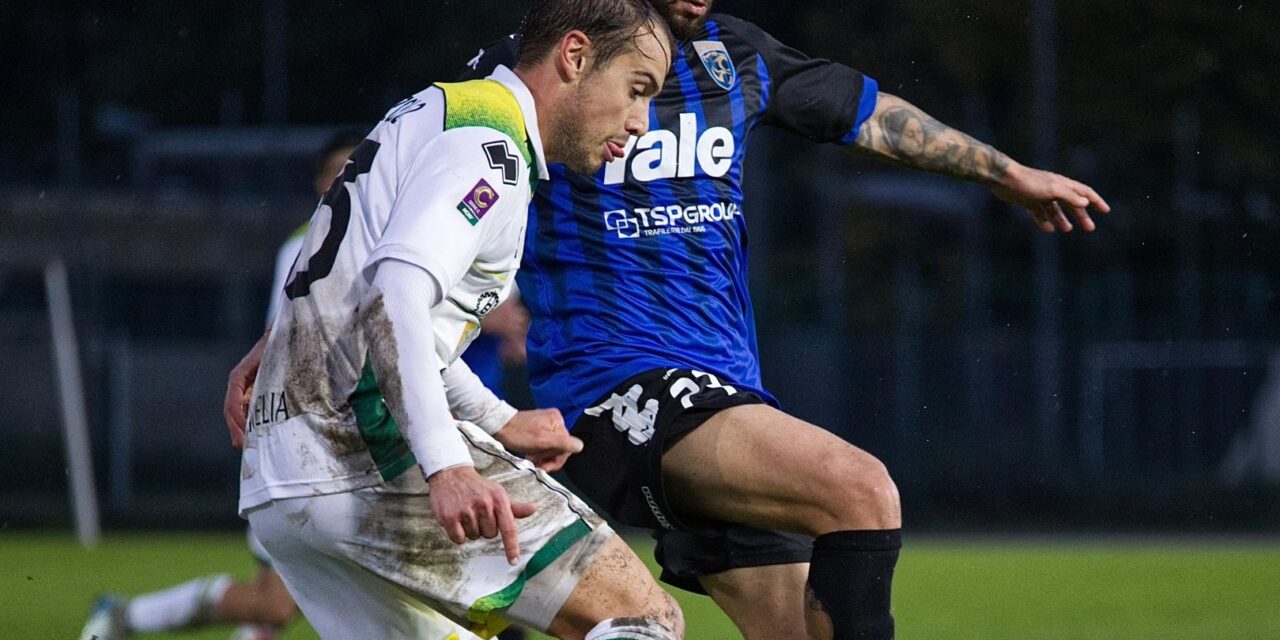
(378,428)
(483,608)
(301,230)
(486,103)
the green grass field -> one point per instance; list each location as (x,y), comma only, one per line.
(1128,589)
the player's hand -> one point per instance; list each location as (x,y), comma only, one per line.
(540,435)
(1045,195)
(469,506)
(235,406)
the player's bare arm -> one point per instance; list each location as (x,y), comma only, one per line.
(235,406)
(900,133)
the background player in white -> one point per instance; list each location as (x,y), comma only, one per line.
(351,424)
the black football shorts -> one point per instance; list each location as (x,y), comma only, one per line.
(620,470)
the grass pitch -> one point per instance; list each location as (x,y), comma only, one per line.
(1024,589)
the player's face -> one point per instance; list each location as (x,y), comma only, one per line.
(611,105)
(686,17)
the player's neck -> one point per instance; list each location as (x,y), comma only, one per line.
(544,85)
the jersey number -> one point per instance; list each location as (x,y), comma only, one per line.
(338,199)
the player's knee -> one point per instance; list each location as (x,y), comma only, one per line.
(656,605)
(858,492)
(633,629)
(669,614)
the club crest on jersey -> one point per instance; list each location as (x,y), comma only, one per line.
(717,61)
(477,202)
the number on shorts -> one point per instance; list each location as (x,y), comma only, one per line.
(692,387)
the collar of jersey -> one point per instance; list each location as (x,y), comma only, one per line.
(510,80)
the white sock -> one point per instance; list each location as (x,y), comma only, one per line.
(255,632)
(187,604)
(630,629)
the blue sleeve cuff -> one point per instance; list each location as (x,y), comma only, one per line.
(866,106)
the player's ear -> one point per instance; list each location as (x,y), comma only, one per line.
(573,55)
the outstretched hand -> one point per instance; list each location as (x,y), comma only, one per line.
(469,506)
(235,406)
(540,435)
(1045,195)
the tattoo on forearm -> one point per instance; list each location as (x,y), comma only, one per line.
(908,136)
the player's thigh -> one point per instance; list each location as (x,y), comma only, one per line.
(339,598)
(616,584)
(740,593)
(756,465)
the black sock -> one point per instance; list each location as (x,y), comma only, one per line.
(851,575)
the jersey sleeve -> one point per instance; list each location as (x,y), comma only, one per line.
(822,100)
(499,52)
(441,216)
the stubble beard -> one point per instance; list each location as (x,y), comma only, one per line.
(569,144)
(682,26)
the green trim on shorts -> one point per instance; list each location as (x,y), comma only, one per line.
(483,607)
(378,428)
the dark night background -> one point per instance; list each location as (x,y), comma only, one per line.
(1121,380)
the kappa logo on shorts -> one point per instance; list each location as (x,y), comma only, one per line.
(628,417)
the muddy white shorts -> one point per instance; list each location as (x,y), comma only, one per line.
(369,563)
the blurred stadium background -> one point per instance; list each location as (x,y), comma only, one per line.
(1102,410)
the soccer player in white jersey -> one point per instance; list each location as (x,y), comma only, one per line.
(261,607)
(372,500)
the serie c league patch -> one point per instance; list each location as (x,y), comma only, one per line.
(478,202)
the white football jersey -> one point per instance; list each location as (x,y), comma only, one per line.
(443,182)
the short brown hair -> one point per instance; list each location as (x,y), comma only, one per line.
(612,26)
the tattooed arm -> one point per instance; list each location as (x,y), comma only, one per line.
(900,133)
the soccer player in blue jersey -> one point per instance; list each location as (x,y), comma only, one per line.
(643,335)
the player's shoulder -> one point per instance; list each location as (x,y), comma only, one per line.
(733,27)
(498,52)
(479,108)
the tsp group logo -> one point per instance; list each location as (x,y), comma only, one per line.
(623,222)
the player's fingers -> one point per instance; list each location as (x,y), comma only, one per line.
(470,526)
(510,534)
(1041,220)
(234,412)
(522,509)
(488,522)
(453,528)
(574,445)
(1082,216)
(1059,218)
(1092,196)
(551,464)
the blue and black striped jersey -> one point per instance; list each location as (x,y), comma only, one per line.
(644,265)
